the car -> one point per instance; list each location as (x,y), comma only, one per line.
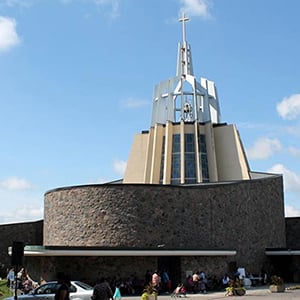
(78,291)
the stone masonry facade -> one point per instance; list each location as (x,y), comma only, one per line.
(246,216)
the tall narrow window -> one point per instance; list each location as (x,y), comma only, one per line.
(189,158)
(162,162)
(203,158)
(175,167)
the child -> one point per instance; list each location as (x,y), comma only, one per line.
(117,294)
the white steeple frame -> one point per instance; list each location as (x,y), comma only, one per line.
(183,97)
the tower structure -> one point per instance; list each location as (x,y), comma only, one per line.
(186,143)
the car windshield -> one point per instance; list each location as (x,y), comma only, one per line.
(83,285)
(48,288)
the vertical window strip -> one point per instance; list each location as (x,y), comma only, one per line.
(162,162)
(189,158)
(175,167)
(203,158)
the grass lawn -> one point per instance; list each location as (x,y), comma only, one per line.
(4,290)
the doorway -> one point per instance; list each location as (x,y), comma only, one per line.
(172,265)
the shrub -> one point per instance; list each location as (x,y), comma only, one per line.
(4,290)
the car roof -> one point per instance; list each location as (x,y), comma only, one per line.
(77,284)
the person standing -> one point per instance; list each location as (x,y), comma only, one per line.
(63,291)
(196,280)
(117,294)
(10,277)
(156,280)
(166,281)
(225,280)
(102,290)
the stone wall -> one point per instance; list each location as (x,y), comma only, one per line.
(213,266)
(30,233)
(242,216)
(88,269)
(293,233)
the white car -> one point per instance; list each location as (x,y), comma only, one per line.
(78,291)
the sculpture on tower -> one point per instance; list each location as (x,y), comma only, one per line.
(183,97)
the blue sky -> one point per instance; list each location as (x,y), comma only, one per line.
(77,79)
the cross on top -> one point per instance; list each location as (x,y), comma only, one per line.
(183,19)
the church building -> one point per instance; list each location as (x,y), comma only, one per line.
(188,200)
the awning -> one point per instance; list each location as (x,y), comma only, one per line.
(45,251)
(285,252)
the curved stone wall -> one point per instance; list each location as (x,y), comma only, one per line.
(247,216)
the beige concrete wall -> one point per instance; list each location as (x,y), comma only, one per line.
(231,162)
(159,132)
(135,171)
(225,153)
(208,130)
(168,153)
(148,156)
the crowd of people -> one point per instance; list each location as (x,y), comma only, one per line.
(23,281)
(153,283)
(159,282)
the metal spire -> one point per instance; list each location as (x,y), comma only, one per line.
(182,97)
(184,62)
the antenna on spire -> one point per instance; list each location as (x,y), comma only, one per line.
(183,19)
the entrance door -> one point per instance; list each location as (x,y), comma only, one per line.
(172,265)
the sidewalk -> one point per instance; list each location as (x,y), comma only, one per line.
(254,293)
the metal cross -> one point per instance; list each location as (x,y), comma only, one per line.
(183,19)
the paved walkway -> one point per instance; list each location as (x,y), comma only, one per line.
(259,293)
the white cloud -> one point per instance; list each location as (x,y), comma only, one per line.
(14,183)
(291,211)
(120,166)
(27,212)
(8,35)
(264,148)
(112,5)
(289,107)
(199,8)
(291,180)
(134,103)
(292,130)
(11,3)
